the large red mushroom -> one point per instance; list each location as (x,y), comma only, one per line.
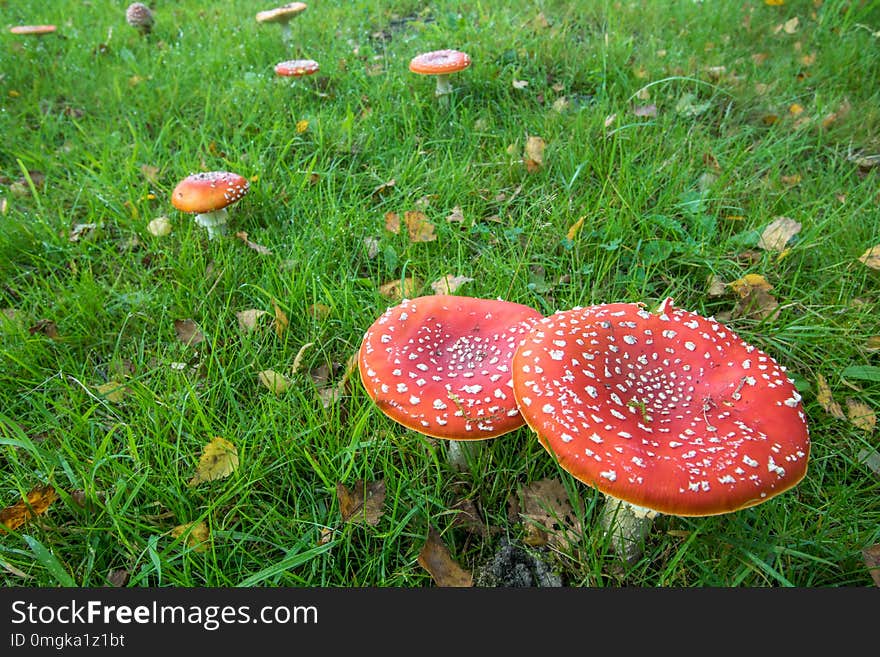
(441,64)
(669,411)
(441,365)
(207,195)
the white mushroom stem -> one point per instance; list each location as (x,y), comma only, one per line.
(286,32)
(214,221)
(444,86)
(628,525)
(460,452)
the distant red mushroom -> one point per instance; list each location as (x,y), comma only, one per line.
(282,15)
(440,365)
(441,64)
(140,17)
(297,68)
(207,195)
(35,30)
(668,411)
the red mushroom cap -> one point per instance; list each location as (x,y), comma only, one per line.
(439,62)
(669,410)
(32,29)
(281,14)
(208,191)
(297,67)
(440,364)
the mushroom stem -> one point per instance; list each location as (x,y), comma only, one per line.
(444,87)
(214,221)
(628,525)
(286,33)
(460,452)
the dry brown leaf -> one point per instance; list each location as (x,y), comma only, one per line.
(871,556)
(449,284)
(276,382)
(219,459)
(545,509)
(45,327)
(826,400)
(791,25)
(364,503)
(519,84)
(467,517)
(860,415)
(151,173)
(297,360)
(118,577)
(280,323)
(248,319)
(873,343)
(81,232)
(160,226)
(841,112)
(456,216)
(197,534)
(397,289)
(188,332)
(435,558)
(259,248)
(418,227)
(392,222)
(534,156)
(756,304)
(871,257)
(778,233)
(38,501)
(384,188)
(318,311)
(645,111)
(716,287)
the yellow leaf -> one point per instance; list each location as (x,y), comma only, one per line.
(534,159)
(419,228)
(219,459)
(795,109)
(791,25)
(112,391)
(392,222)
(297,360)
(397,289)
(778,233)
(281,322)
(871,257)
(302,126)
(574,229)
(861,415)
(274,381)
(197,534)
(38,501)
(247,319)
(774,3)
(742,286)
(825,399)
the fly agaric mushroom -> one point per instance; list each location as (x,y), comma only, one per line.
(34,30)
(296,68)
(668,412)
(139,16)
(282,15)
(207,195)
(440,365)
(442,64)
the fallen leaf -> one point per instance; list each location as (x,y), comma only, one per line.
(778,233)
(774,3)
(871,257)
(467,517)
(384,188)
(520,84)
(871,458)
(830,119)
(826,400)
(188,332)
(280,323)
(574,229)
(456,216)
(363,504)
(197,534)
(118,577)
(243,236)
(372,246)
(795,109)
(45,327)
(160,227)
(318,311)
(449,284)
(301,126)
(38,501)
(219,459)
(791,25)
(392,222)
(112,391)
(873,343)
(716,287)
(418,227)
(150,172)
(645,111)
(756,304)
(546,511)
(745,285)
(435,558)
(397,289)
(297,360)
(276,382)
(248,319)
(861,415)
(871,557)
(81,231)
(534,158)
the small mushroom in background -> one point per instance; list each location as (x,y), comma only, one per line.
(207,195)
(664,412)
(441,64)
(33,30)
(139,16)
(440,365)
(296,68)
(282,15)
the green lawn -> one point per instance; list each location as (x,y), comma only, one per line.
(677,131)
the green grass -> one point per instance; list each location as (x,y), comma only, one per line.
(85,109)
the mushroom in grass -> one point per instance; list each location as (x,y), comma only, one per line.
(296,68)
(441,64)
(282,15)
(667,412)
(440,365)
(207,195)
(139,16)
